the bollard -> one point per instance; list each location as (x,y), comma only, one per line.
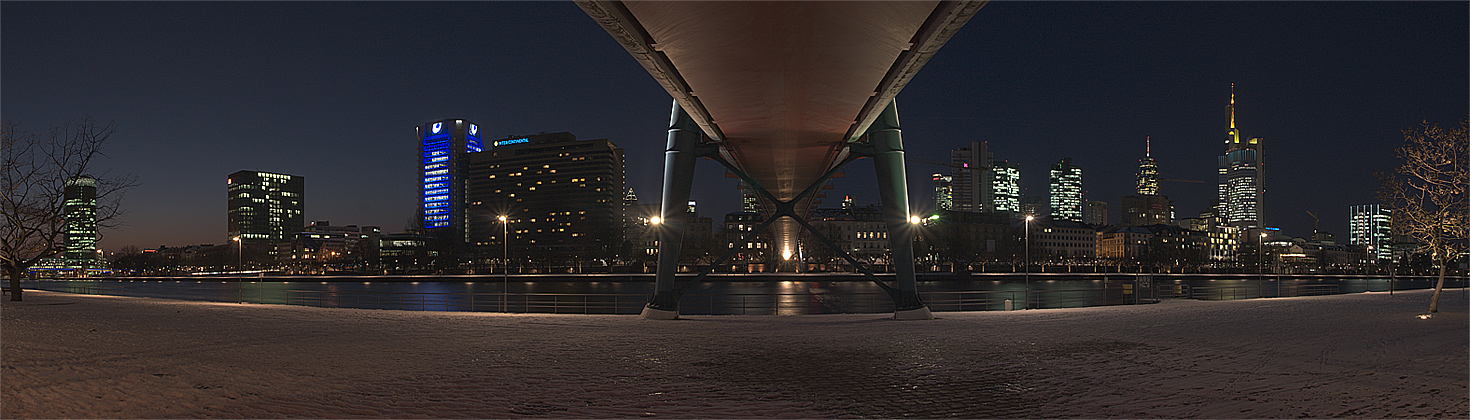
(1008,304)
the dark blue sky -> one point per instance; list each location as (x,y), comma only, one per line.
(332,91)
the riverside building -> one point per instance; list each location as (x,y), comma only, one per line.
(562,198)
(265,209)
(444,147)
(80,212)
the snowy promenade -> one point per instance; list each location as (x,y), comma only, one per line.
(1359,355)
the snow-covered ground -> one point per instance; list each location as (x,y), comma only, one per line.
(1359,355)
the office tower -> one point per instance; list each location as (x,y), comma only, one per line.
(1144,210)
(970,173)
(444,147)
(1148,171)
(943,192)
(80,212)
(1066,191)
(1242,177)
(561,196)
(1005,188)
(1035,205)
(265,209)
(1096,213)
(1371,226)
(750,202)
(1147,207)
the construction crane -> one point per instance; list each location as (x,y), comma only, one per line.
(1314,221)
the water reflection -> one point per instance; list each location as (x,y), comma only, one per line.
(778,295)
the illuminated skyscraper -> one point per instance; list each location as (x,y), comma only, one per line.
(444,147)
(1005,188)
(1147,207)
(1242,177)
(1148,172)
(1371,226)
(265,209)
(943,192)
(970,173)
(1066,191)
(80,211)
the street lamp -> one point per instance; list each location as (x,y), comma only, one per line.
(504,262)
(1028,261)
(239,263)
(1261,262)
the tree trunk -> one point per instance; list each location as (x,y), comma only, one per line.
(1438,287)
(15,286)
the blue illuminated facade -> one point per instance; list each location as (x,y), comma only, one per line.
(443,146)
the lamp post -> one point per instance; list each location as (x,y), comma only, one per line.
(1261,262)
(1028,261)
(239,263)
(504,263)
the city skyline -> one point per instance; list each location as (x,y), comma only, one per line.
(1328,85)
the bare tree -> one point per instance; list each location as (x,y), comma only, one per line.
(1428,194)
(33,175)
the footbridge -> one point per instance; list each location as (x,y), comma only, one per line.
(783,94)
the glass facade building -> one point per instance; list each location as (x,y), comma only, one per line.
(1005,187)
(80,212)
(1066,191)
(1371,226)
(1242,177)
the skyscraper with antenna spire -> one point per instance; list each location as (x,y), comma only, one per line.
(1148,170)
(1147,207)
(1242,177)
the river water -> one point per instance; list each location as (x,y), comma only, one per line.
(763,294)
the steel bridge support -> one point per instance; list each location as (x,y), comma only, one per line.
(885,146)
(887,142)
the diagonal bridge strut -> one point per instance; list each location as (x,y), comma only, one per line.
(884,145)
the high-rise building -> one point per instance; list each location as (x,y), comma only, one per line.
(1005,188)
(265,209)
(444,149)
(80,212)
(1242,177)
(1035,205)
(970,173)
(1371,226)
(562,197)
(750,201)
(1066,191)
(1148,171)
(1096,213)
(1144,210)
(943,192)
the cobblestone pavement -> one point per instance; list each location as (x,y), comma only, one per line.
(1362,355)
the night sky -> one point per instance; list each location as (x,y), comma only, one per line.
(333,91)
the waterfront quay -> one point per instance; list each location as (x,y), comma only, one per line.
(1363,355)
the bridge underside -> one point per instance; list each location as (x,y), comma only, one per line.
(781,89)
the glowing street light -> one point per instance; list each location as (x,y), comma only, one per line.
(504,262)
(655,220)
(239,265)
(1261,262)
(1029,218)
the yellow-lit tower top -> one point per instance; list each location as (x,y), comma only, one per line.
(1232,140)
